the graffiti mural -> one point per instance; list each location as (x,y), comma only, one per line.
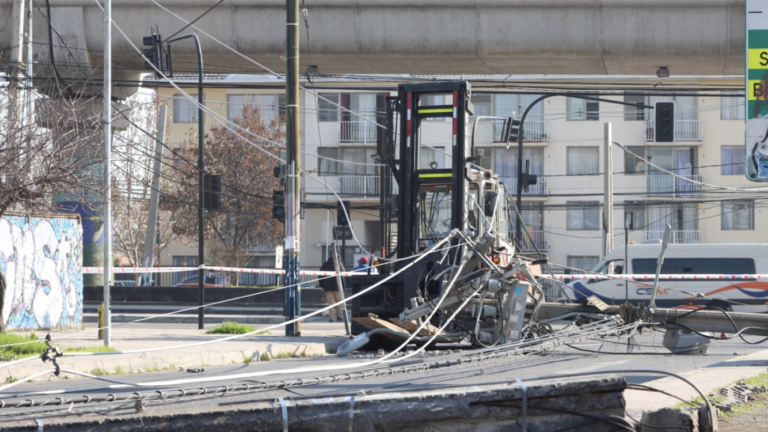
(41,259)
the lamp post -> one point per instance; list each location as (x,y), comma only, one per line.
(201,180)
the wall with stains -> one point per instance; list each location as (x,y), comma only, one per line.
(41,259)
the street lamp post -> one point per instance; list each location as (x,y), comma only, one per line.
(201,180)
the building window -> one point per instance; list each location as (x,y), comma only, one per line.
(731,108)
(635,214)
(634,113)
(235,104)
(633,164)
(505,105)
(431,154)
(325,165)
(184,110)
(737,215)
(732,160)
(582,109)
(582,262)
(357,161)
(583,215)
(271,106)
(583,160)
(326,110)
(482,104)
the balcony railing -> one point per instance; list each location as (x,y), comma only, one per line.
(685,130)
(533,131)
(534,238)
(667,185)
(539,189)
(357,131)
(679,236)
(363,185)
(359,185)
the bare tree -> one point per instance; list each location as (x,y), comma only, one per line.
(51,158)
(243,223)
(55,159)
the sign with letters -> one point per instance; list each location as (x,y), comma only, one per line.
(756,86)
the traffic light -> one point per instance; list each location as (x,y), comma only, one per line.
(511,130)
(156,54)
(664,130)
(278,205)
(341,217)
(528,179)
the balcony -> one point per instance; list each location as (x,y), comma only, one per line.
(362,185)
(685,130)
(535,131)
(667,185)
(539,189)
(535,238)
(678,236)
(357,132)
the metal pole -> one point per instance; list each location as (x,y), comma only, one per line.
(28,117)
(201,192)
(107,215)
(200,181)
(154,198)
(608,198)
(659,264)
(626,255)
(340,284)
(292,180)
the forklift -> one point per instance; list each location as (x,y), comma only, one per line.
(425,203)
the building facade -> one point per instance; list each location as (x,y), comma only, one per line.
(563,146)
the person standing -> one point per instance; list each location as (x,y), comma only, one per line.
(331,288)
(362,267)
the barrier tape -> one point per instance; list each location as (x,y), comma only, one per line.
(116,270)
(638,277)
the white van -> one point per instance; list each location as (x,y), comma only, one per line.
(743,293)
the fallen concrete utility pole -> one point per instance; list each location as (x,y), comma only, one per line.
(513,406)
(702,320)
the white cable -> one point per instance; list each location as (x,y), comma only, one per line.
(728,188)
(238,336)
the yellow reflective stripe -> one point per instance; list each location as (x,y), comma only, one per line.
(440,175)
(436,110)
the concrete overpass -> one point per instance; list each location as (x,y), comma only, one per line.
(691,37)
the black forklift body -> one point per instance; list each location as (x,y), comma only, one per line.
(442,190)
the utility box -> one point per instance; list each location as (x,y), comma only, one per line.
(680,342)
(514,312)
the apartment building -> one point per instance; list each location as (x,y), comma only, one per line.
(563,145)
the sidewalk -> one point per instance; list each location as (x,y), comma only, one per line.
(316,339)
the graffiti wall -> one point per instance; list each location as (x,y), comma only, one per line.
(41,259)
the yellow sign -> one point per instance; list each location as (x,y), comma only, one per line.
(758,58)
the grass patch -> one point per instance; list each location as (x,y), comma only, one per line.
(758,405)
(280,356)
(99,372)
(231,327)
(29,346)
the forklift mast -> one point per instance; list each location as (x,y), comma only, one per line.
(414,108)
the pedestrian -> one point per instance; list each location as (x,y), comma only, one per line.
(362,267)
(330,286)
